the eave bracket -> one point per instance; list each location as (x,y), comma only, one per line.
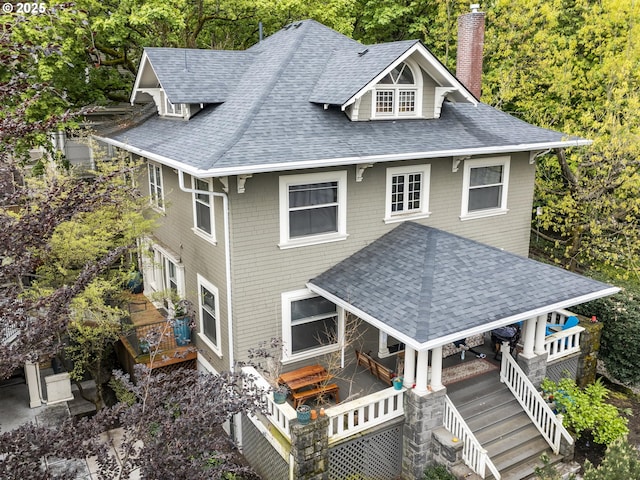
(360,168)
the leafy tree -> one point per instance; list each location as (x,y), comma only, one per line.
(173,430)
(621,462)
(573,65)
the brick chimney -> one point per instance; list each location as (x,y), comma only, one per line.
(470,44)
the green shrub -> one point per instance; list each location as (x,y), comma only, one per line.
(620,342)
(586,409)
(438,472)
(620,462)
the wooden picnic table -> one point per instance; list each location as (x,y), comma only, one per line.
(314,376)
(304,377)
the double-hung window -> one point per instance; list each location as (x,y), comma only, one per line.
(203,209)
(156,191)
(485,186)
(397,93)
(407,194)
(311,324)
(209,314)
(312,208)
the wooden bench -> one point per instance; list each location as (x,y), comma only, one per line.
(378,370)
(304,395)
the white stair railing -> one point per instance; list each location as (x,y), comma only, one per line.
(549,425)
(473,455)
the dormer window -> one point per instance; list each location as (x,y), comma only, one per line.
(396,95)
(170,109)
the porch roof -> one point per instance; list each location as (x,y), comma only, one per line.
(427,287)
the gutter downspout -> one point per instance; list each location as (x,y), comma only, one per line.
(227,255)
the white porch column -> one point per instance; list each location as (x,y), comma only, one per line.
(436,369)
(422,369)
(409,367)
(541,329)
(529,336)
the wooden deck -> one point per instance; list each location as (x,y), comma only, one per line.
(162,351)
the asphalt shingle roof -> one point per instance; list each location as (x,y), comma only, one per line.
(267,120)
(192,75)
(427,284)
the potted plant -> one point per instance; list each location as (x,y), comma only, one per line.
(304,414)
(397,382)
(182,322)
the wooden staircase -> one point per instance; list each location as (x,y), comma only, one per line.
(500,424)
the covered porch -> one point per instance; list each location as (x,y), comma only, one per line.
(427,289)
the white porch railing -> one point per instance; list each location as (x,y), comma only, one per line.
(344,420)
(352,417)
(8,334)
(280,415)
(563,343)
(474,456)
(532,402)
(559,317)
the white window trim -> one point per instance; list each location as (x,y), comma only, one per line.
(416,87)
(288,180)
(485,162)
(288,356)
(155,273)
(169,109)
(203,282)
(199,232)
(423,212)
(153,193)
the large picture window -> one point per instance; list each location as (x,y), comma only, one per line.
(203,209)
(407,193)
(310,324)
(156,191)
(312,208)
(485,187)
(209,314)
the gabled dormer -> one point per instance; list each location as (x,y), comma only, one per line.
(181,81)
(148,85)
(398,80)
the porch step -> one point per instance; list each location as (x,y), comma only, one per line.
(502,427)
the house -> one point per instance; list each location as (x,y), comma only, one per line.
(311,179)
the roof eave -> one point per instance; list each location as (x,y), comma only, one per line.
(418,346)
(336,162)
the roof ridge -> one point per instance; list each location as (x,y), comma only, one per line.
(287,55)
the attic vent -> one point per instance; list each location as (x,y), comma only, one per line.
(287,27)
(364,52)
(297,25)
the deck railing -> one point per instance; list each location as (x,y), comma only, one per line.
(532,402)
(156,337)
(8,334)
(473,455)
(358,415)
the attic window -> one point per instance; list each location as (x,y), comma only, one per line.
(396,95)
(170,109)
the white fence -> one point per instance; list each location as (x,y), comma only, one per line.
(532,402)
(474,456)
(563,343)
